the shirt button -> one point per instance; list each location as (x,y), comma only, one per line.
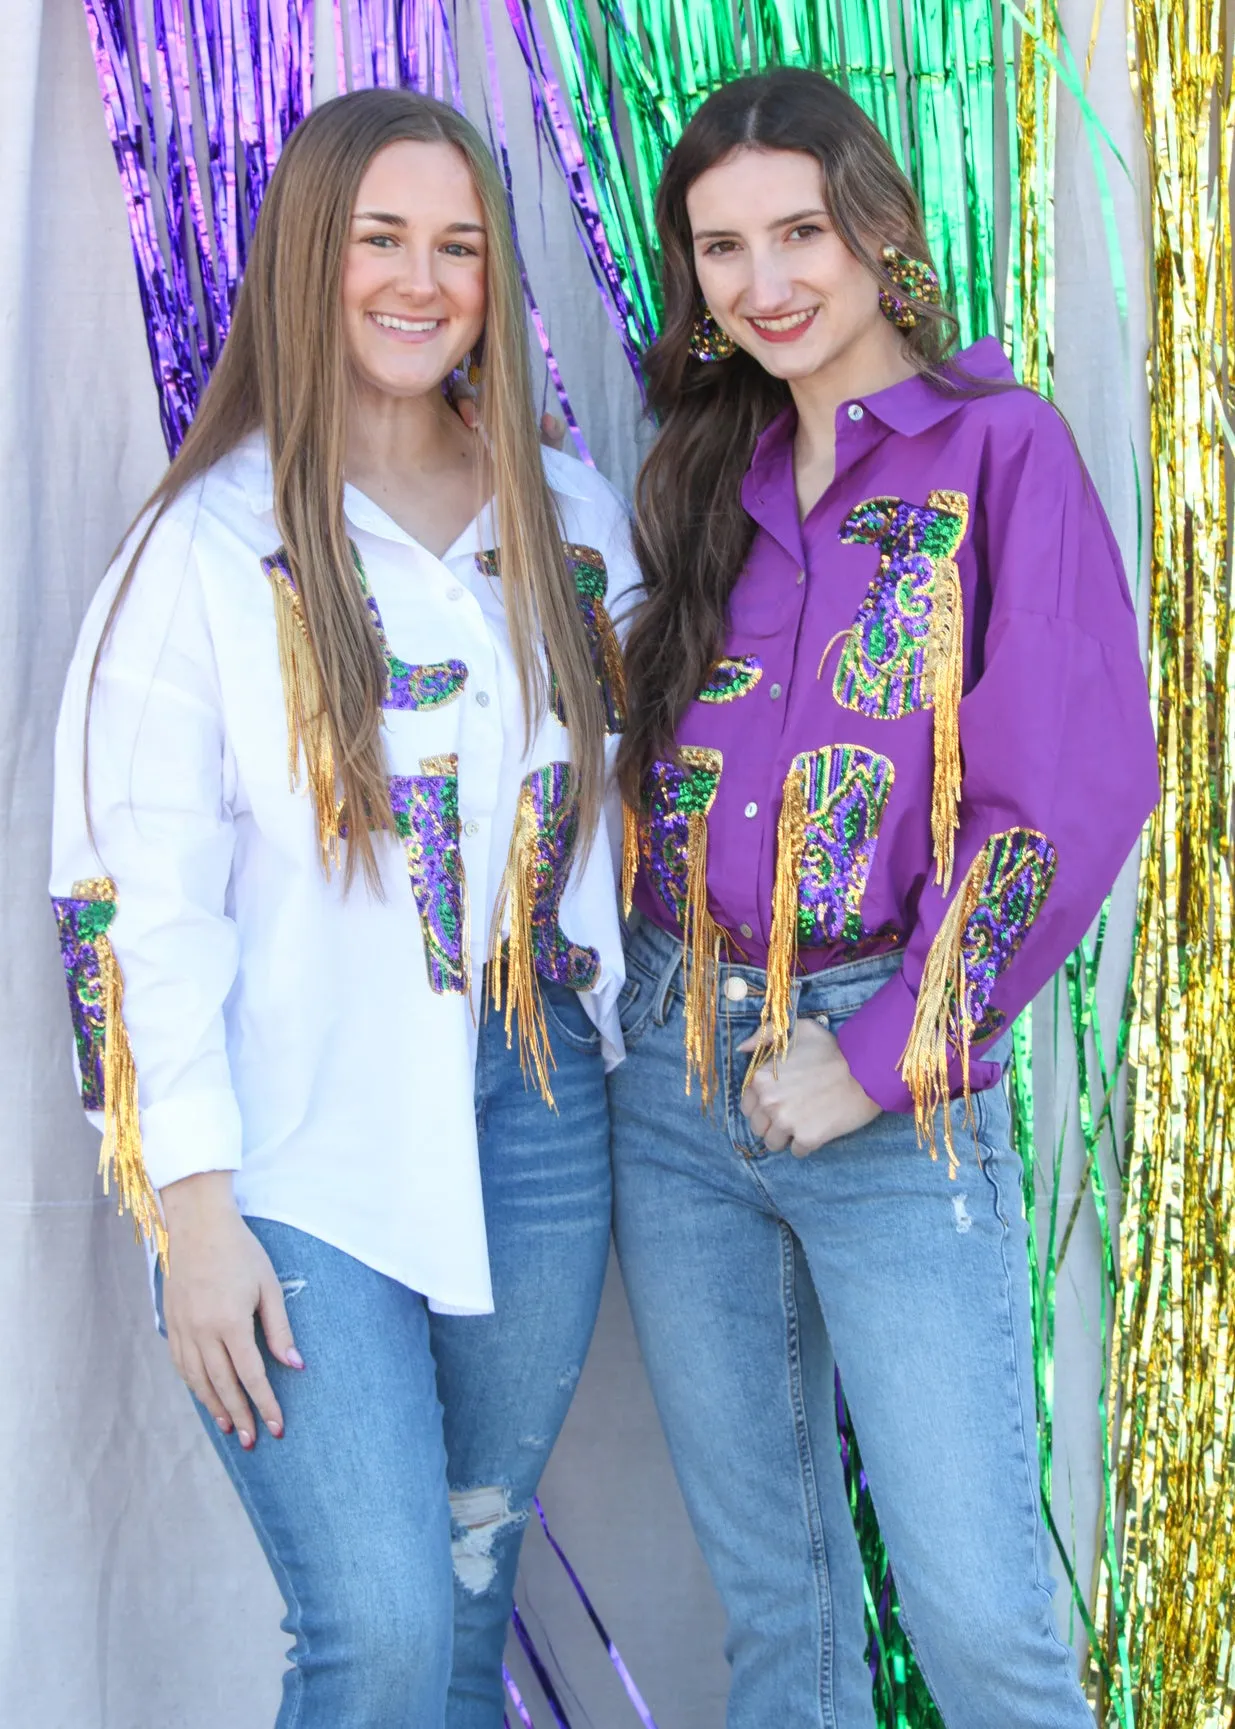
(801,578)
(856,411)
(482,697)
(471,827)
(735,989)
(774,692)
(455,593)
(752,809)
(746,930)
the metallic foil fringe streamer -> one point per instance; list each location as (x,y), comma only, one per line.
(1165,1618)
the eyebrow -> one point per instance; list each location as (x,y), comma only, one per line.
(390,220)
(778,222)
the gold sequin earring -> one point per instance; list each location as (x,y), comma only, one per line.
(911,279)
(708,341)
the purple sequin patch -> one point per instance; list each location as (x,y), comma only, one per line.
(408,686)
(731,679)
(426,813)
(883,665)
(591,578)
(82,923)
(846,792)
(1018,878)
(672,792)
(557,827)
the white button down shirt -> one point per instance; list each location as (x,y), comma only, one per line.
(281,1028)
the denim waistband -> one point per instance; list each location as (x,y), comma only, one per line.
(836,990)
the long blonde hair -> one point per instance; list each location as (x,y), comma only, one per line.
(284,369)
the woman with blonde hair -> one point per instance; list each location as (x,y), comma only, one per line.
(340,938)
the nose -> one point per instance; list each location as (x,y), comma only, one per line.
(417,277)
(770,288)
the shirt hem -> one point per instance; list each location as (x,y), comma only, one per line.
(439,1300)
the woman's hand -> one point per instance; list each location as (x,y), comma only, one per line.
(463,401)
(219,1278)
(810,1098)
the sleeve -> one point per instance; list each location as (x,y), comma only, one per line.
(140,887)
(1060,773)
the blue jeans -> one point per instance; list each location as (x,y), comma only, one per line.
(751,1275)
(393,1509)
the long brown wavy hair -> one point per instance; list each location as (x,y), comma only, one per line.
(284,369)
(692,535)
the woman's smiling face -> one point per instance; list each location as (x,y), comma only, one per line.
(774,272)
(414,269)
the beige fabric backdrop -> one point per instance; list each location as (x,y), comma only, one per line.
(132,1594)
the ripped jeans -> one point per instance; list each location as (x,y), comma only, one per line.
(393,1509)
(751,1275)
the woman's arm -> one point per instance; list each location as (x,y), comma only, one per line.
(160,844)
(1060,773)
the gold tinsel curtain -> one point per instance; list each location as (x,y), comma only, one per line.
(1167,1619)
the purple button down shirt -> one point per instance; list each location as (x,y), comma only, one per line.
(827,661)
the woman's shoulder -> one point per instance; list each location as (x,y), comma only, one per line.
(596,516)
(233,494)
(1016,422)
(581,488)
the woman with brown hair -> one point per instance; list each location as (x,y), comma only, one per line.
(329,778)
(889,744)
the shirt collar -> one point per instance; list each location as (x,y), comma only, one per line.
(908,408)
(915,405)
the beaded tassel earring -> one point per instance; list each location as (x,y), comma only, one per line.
(912,279)
(708,341)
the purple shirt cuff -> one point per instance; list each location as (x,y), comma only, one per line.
(874,1036)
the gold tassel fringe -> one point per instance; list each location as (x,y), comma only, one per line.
(630,856)
(783,943)
(523,1001)
(945,677)
(307,727)
(613,667)
(121,1152)
(700,961)
(941,1021)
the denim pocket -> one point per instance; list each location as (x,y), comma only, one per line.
(636,1000)
(566,1017)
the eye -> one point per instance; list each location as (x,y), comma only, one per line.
(718,248)
(460,249)
(805,231)
(383,241)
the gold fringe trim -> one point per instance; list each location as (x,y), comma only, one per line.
(941,1021)
(630,856)
(701,942)
(613,667)
(945,676)
(946,672)
(121,1153)
(307,727)
(782,961)
(518,965)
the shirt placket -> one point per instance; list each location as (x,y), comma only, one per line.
(786,675)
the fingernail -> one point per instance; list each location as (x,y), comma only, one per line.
(276,1429)
(246,1440)
(294,1359)
(225,1424)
